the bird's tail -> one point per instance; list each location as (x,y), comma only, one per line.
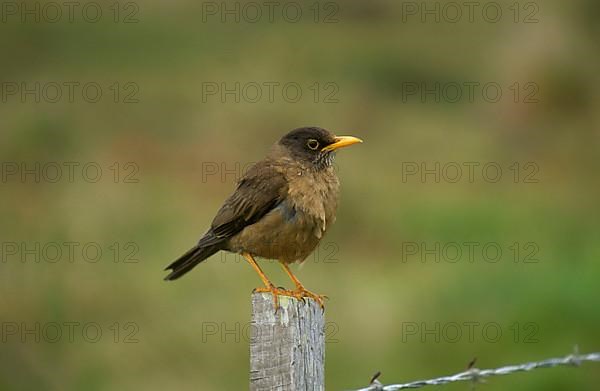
(189,260)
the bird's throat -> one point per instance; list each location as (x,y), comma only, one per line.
(324,161)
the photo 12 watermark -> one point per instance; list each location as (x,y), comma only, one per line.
(68,332)
(69,172)
(224,172)
(469,172)
(51,12)
(269,91)
(324,252)
(469,332)
(527,252)
(469,92)
(69,92)
(270,12)
(238,332)
(68,252)
(469,12)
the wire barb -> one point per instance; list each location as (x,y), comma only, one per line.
(478,375)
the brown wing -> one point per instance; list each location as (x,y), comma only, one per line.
(258,192)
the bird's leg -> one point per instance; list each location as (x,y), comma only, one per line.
(258,270)
(269,287)
(300,292)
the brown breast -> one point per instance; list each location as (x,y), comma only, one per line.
(315,193)
(292,230)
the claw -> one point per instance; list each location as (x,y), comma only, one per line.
(276,292)
(301,293)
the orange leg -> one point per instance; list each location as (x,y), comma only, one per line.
(301,292)
(269,287)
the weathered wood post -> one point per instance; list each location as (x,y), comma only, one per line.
(287,348)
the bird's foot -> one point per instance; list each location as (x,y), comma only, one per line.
(301,292)
(276,292)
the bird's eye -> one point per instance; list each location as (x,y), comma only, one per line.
(313,144)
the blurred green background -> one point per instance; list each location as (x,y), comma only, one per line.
(192,334)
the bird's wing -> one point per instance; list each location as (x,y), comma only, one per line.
(258,192)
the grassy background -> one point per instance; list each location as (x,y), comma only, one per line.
(172,133)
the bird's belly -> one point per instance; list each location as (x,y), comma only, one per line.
(285,234)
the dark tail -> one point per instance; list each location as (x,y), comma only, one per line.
(189,260)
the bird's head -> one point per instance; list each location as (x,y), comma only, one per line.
(315,146)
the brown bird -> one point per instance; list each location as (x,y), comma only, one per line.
(280,209)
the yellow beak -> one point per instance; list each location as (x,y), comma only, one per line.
(341,142)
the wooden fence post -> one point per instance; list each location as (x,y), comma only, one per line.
(287,348)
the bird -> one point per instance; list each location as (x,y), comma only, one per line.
(280,210)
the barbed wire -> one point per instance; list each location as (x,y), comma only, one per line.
(478,375)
